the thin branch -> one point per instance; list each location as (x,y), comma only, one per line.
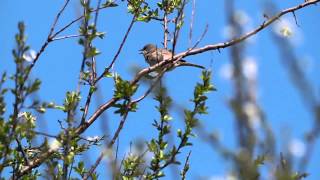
(165,30)
(178,20)
(86,107)
(24,155)
(49,39)
(97,13)
(66,37)
(295,18)
(45,134)
(192,21)
(119,50)
(67,26)
(150,88)
(74,21)
(93,69)
(57,17)
(95,115)
(247,35)
(185,167)
(113,140)
(117,133)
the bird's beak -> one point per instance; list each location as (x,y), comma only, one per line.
(141,51)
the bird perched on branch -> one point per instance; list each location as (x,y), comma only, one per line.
(154,55)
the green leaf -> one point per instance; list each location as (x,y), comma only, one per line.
(34,86)
(108,75)
(110,4)
(92,89)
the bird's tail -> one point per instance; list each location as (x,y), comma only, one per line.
(184,63)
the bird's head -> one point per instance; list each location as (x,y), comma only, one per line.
(148,48)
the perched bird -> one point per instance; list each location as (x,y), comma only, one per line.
(154,55)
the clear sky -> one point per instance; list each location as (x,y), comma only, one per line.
(59,66)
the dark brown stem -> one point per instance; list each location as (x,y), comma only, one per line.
(107,70)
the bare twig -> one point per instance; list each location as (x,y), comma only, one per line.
(66,37)
(150,88)
(116,134)
(246,35)
(119,49)
(24,155)
(97,13)
(178,20)
(57,17)
(45,134)
(49,38)
(53,35)
(185,167)
(192,21)
(95,115)
(165,30)
(295,18)
(74,21)
(113,140)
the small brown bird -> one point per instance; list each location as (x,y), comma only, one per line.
(154,55)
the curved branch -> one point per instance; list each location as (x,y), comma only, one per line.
(248,34)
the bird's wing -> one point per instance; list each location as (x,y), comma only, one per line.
(166,54)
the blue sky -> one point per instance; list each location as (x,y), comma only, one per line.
(59,65)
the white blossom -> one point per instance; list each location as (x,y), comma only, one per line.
(223,177)
(242,18)
(287,28)
(296,147)
(29,55)
(252,112)
(54,145)
(250,68)
(226,71)
(94,138)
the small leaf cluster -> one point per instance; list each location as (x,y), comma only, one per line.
(3,91)
(88,32)
(141,10)
(144,12)
(199,100)
(159,147)
(17,129)
(82,171)
(22,89)
(164,156)
(71,101)
(124,90)
(285,170)
(109,3)
(131,167)
(169,5)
